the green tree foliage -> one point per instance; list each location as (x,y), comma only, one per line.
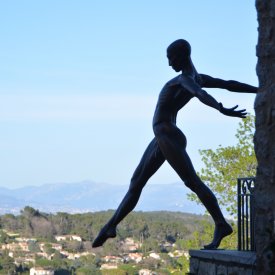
(33,247)
(31,222)
(4,237)
(129,269)
(7,265)
(87,271)
(73,246)
(156,231)
(224,165)
(56,264)
(204,235)
(90,262)
(150,228)
(48,249)
(30,212)
(11,222)
(114,272)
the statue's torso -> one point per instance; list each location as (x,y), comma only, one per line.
(172,98)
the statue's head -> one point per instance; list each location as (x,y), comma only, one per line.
(178,54)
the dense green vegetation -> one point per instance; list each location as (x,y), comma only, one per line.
(157,226)
(224,165)
(152,229)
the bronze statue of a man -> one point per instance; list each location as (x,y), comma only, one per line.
(169,142)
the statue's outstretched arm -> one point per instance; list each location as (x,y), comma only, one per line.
(208,100)
(230,85)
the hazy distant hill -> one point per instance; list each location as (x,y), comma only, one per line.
(90,196)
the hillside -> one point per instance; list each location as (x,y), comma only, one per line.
(88,196)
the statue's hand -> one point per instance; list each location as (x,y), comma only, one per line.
(232,111)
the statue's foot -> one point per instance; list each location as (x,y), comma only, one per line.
(103,235)
(221,231)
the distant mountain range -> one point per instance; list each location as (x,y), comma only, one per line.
(88,196)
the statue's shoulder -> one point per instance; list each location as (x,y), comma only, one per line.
(174,81)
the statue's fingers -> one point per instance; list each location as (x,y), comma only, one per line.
(234,108)
(242,111)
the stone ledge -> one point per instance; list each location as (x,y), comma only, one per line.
(240,257)
(222,262)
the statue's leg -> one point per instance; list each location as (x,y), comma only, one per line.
(172,143)
(150,162)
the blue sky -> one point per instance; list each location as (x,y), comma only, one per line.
(79,82)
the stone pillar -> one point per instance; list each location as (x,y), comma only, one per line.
(265,139)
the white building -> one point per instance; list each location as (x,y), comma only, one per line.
(130,245)
(68,237)
(108,266)
(137,257)
(41,271)
(146,272)
(154,255)
(76,238)
(113,259)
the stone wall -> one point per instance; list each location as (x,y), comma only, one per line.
(222,262)
(265,139)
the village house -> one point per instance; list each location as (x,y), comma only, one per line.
(76,238)
(136,257)
(113,259)
(23,246)
(131,245)
(146,272)
(64,253)
(86,253)
(21,239)
(41,271)
(68,238)
(178,253)
(109,266)
(55,246)
(45,255)
(154,255)
(41,246)
(25,260)
(61,238)
(11,234)
(73,256)
(10,246)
